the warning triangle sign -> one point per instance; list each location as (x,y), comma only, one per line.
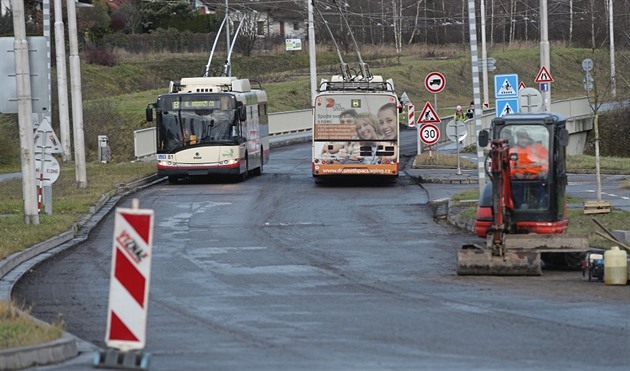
(506,89)
(428,115)
(543,76)
(45,138)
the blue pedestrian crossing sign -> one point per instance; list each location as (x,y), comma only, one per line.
(506,86)
(506,106)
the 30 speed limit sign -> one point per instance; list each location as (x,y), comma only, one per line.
(429,134)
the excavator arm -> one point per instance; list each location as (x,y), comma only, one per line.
(503,206)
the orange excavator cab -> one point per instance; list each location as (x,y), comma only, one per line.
(522,210)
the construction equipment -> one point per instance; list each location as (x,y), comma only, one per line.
(522,211)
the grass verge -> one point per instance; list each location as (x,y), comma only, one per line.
(68,206)
(18,330)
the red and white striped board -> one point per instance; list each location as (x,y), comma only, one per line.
(411,115)
(130,277)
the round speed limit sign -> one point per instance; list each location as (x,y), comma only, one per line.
(429,134)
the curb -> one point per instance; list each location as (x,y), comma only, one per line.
(65,347)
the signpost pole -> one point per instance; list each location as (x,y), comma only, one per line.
(459,170)
(419,142)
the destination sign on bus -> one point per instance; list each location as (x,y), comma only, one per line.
(195,104)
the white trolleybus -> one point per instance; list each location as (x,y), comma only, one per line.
(355,128)
(211,126)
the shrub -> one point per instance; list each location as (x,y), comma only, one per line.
(9,140)
(100,55)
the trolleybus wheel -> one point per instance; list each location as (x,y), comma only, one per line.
(246,173)
(259,170)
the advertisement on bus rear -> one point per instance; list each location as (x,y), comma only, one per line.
(355,128)
(336,114)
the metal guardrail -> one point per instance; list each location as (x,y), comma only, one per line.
(579,123)
(577,110)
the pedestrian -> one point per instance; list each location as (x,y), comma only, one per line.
(471,110)
(459,114)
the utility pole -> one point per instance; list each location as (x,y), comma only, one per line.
(474,61)
(311,51)
(77,98)
(484,53)
(545,60)
(227,32)
(611,35)
(62,82)
(25,109)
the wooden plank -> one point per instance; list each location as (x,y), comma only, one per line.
(597,207)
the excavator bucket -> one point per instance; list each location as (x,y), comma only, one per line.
(521,257)
(475,260)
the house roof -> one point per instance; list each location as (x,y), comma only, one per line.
(285,10)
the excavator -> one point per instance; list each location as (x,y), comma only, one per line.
(522,210)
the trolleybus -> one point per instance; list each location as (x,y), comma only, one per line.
(211,126)
(355,128)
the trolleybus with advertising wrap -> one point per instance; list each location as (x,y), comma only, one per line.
(356,128)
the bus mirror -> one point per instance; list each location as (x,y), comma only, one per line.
(149,113)
(483,138)
(563,137)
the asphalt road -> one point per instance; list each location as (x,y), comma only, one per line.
(278,272)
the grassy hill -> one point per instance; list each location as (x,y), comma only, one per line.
(115,97)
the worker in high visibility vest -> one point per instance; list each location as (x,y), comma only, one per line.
(531,160)
(459,114)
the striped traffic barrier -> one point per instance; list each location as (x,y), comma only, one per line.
(411,115)
(129,290)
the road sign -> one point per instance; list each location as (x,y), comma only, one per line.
(521,86)
(587,64)
(429,134)
(434,82)
(47,169)
(505,86)
(456,129)
(45,139)
(38,70)
(428,115)
(530,100)
(129,281)
(404,98)
(544,86)
(490,64)
(506,106)
(543,76)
